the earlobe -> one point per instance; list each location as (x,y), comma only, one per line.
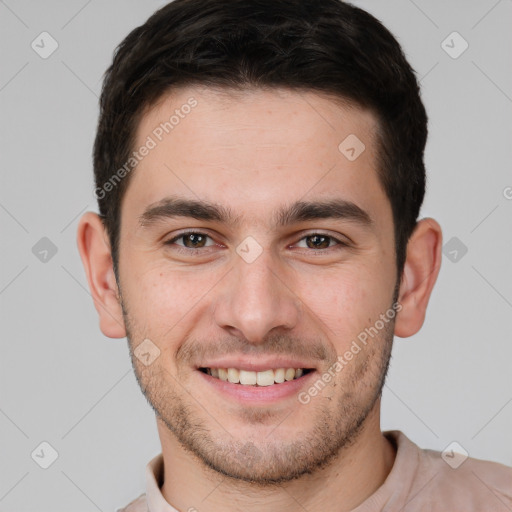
(420,273)
(97,261)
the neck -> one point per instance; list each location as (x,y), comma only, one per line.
(354,475)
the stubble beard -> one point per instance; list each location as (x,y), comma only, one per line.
(261,462)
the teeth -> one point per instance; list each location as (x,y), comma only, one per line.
(233,375)
(279,375)
(289,374)
(265,378)
(249,378)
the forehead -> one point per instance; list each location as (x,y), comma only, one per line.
(255,149)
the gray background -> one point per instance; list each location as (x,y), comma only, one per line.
(63,382)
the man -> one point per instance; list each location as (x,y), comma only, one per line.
(259,172)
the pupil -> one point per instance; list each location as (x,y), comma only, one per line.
(318,241)
(194,239)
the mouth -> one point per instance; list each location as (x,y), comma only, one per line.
(263,378)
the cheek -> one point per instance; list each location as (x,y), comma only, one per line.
(162,302)
(161,299)
(347,301)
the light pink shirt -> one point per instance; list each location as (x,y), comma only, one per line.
(420,481)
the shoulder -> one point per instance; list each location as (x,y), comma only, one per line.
(452,481)
(483,484)
(137,505)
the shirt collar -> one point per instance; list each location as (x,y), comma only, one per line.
(154,480)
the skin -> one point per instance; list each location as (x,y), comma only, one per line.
(256,152)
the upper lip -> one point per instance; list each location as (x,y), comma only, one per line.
(257,364)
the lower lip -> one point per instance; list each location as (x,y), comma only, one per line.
(258,394)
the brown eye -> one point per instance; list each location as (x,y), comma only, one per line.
(318,241)
(191,240)
(194,240)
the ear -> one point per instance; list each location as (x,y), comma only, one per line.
(96,257)
(421,269)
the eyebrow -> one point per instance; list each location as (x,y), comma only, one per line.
(300,211)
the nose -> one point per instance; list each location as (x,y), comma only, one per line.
(255,298)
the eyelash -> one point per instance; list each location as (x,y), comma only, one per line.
(187,250)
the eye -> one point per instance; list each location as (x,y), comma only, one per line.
(191,240)
(320,241)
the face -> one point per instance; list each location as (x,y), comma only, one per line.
(252,241)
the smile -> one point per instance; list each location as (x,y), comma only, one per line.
(252,378)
